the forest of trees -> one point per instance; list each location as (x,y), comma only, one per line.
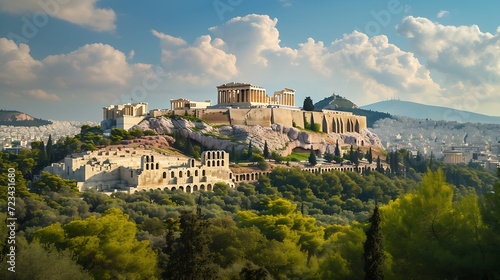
(437,223)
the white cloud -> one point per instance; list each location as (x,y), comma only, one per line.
(254,39)
(131,55)
(93,71)
(467,59)
(373,65)
(248,49)
(81,12)
(442,13)
(286,3)
(198,63)
(42,95)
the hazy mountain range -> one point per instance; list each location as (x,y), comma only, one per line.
(421,111)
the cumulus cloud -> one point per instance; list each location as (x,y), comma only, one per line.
(467,59)
(249,49)
(91,71)
(254,39)
(442,13)
(374,65)
(198,63)
(82,12)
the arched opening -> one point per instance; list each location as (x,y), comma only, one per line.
(252,176)
(208,163)
(164,175)
(248,177)
(202,187)
(209,187)
(203,173)
(181,188)
(152,166)
(147,158)
(222,163)
(172,189)
(213,162)
(192,163)
(189,173)
(196,173)
(325,125)
(180,174)
(147,166)
(157,165)
(230,175)
(165,189)
(356,126)
(188,189)
(152,158)
(208,155)
(218,163)
(172,174)
(334,125)
(195,188)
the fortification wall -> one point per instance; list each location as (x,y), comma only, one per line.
(215,116)
(253,116)
(282,116)
(298,117)
(329,121)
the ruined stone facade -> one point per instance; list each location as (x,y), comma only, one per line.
(248,95)
(131,170)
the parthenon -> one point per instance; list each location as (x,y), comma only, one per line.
(240,94)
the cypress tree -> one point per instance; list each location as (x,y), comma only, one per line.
(42,156)
(379,165)
(373,254)
(50,150)
(369,155)
(266,150)
(312,157)
(337,149)
(189,255)
(250,148)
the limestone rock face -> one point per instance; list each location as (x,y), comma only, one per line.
(280,138)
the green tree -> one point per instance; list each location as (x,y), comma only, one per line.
(50,150)
(379,165)
(250,150)
(373,255)
(369,155)
(308,104)
(328,156)
(312,157)
(189,254)
(106,246)
(266,150)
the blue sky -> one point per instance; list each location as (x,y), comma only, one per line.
(66,59)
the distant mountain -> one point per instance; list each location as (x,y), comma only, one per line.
(16,118)
(421,111)
(339,103)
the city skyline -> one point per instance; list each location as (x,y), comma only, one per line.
(66,60)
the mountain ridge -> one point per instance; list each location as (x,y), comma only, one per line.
(423,111)
(17,118)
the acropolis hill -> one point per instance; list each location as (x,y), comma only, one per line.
(244,113)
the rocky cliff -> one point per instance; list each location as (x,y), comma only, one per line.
(282,139)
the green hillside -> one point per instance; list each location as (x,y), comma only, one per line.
(339,103)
